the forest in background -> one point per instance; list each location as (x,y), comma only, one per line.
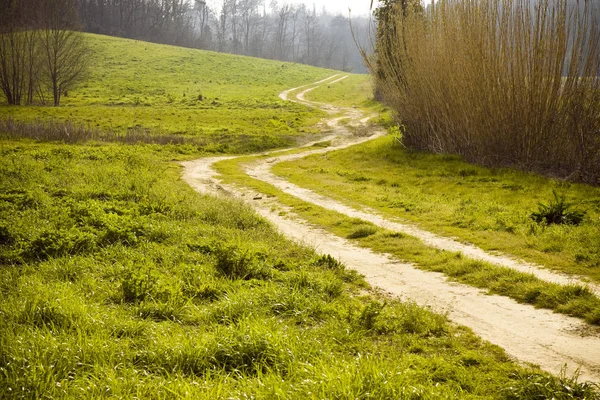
(258,28)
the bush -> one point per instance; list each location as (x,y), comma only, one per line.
(241,261)
(558,211)
(498,82)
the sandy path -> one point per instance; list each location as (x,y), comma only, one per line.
(541,337)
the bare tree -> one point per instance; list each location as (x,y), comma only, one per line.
(249,21)
(18,51)
(65,53)
(203,14)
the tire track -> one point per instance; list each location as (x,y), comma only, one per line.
(555,342)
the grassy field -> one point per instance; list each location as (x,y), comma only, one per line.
(168,90)
(488,207)
(573,300)
(354,91)
(117,280)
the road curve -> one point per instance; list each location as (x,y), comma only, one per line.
(555,342)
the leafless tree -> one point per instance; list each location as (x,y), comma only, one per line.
(284,31)
(65,53)
(18,66)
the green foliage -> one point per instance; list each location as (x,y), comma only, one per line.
(488,207)
(199,100)
(208,300)
(362,231)
(370,314)
(537,386)
(329,262)
(558,211)
(241,261)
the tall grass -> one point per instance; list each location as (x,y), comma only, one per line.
(76,133)
(500,82)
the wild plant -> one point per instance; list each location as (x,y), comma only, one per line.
(500,82)
(558,211)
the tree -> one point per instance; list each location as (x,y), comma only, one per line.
(17,51)
(65,53)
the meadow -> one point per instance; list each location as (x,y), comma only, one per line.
(166,90)
(489,207)
(117,280)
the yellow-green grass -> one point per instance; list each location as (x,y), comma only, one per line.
(354,91)
(117,280)
(573,300)
(488,207)
(174,90)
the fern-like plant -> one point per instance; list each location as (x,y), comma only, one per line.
(558,211)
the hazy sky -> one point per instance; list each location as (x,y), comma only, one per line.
(359,7)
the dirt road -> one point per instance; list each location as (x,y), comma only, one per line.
(552,341)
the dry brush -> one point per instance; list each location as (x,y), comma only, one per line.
(500,82)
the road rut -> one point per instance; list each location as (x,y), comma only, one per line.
(555,342)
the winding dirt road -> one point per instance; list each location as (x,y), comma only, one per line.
(554,342)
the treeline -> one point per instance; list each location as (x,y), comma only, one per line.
(42,55)
(500,82)
(286,32)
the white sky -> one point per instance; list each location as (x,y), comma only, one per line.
(359,7)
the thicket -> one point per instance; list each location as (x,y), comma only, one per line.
(502,83)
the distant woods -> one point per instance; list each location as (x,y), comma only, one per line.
(260,28)
(500,82)
(42,54)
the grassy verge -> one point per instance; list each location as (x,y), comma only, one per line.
(117,280)
(573,300)
(488,207)
(350,92)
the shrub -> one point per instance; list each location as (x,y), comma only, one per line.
(558,211)
(498,82)
(241,261)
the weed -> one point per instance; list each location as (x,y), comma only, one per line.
(327,261)
(369,315)
(362,231)
(558,211)
(241,261)
(535,386)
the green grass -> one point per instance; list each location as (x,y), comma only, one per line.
(353,91)
(488,207)
(145,86)
(575,300)
(119,281)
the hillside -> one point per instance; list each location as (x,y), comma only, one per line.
(164,89)
(118,280)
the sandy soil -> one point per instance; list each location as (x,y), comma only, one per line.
(554,342)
